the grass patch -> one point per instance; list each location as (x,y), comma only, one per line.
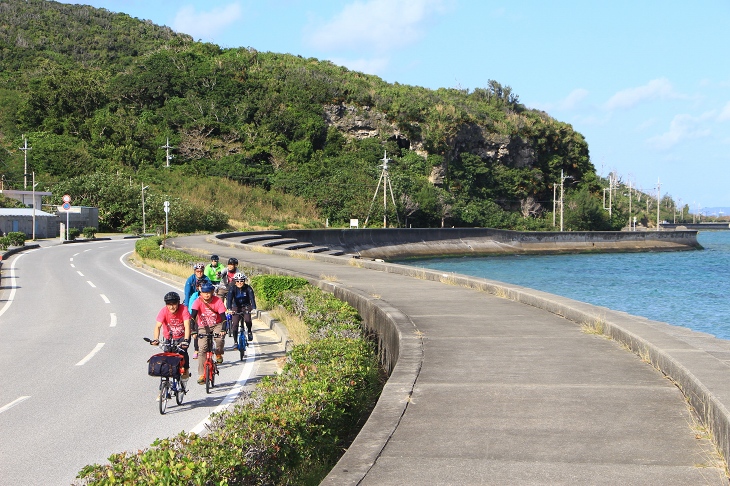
(596,326)
(295,326)
(329,278)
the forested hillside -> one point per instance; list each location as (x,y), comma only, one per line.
(98,94)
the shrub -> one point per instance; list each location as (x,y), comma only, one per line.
(73,233)
(89,232)
(150,248)
(4,243)
(16,238)
(270,288)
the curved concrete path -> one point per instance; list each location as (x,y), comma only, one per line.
(506,393)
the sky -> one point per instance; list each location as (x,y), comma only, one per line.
(647,82)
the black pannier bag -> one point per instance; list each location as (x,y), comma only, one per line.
(165,364)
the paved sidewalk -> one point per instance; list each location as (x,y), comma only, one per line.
(507,393)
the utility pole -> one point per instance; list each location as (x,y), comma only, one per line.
(630,207)
(658,205)
(562,192)
(385,178)
(25,149)
(167,148)
(34,184)
(144,225)
(555,188)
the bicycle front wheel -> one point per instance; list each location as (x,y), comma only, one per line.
(180,395)
(242,345)
(164,395)
(208,376)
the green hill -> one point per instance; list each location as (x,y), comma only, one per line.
(100,93)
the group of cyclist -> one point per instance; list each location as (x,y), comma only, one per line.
(202,309)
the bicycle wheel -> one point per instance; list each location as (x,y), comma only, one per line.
(242,345)
(208,375)
(164,395)
(180,393)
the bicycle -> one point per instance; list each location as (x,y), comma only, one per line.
(211,368)
(167,366)
(242,342)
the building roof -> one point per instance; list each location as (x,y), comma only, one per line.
(25,212)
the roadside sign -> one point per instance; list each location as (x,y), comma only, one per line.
(66,198)
(167,206)
(66,206)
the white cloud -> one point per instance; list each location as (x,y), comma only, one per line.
(682,127)
(569,103)
(379,25)
(724,114)
(205,25)
(631,97)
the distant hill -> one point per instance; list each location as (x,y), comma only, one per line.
(96,91)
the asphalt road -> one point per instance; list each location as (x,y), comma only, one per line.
(74,385)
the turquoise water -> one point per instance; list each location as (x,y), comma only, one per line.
(689,288)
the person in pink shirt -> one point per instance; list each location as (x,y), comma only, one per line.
(209,312)
(174,322)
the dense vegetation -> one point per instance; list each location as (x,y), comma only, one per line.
(98,94)
(293,427)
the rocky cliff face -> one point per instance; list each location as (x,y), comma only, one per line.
(365,122)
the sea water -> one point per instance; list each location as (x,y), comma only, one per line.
(685,288)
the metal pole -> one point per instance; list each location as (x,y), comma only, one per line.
(25,149)
(658,206)
(555,186)
(144,224)
(67,233)
(562,179)
(630,205)
(33,206)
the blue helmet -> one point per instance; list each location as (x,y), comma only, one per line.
(207,287)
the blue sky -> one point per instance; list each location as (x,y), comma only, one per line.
(646,82)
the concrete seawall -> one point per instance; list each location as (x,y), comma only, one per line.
(695,362)
(393,243)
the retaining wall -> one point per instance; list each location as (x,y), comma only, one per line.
(393,243)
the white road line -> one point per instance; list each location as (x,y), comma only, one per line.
(121,260)
(235,390)
(79,273)
(105,298)
(113,322)
(90,355)
(12,285)
(90,283)
(71,259)
(76,254)
(87,250)
(13,403)
(73,266)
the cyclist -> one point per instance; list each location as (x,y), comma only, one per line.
(241,297)
(192,282)
(174,321)
(227,277)
(214,270)
(209,312)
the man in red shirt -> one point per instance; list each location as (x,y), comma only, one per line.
(209,312)
(174,321)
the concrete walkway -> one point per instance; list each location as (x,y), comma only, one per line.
(505,393)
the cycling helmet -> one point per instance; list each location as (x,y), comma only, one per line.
(206,287)
(199,266)
(233,261)
(239,277)
(214,258)
(172,298)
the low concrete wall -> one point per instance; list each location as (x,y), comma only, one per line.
(393,243)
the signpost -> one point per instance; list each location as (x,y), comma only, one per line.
(66,207)
(167,211)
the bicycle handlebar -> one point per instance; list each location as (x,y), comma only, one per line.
(165,343)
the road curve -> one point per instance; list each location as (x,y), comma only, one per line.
(75,386)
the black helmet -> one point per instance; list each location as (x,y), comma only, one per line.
(233,261)
(172,298)
(214,258)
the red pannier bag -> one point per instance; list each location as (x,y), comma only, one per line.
(166,364)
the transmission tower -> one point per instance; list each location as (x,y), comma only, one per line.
(385,178)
